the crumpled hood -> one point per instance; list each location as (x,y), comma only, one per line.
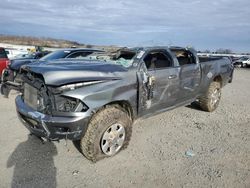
(17,63)
(57,73)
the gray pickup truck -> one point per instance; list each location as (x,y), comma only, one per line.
(95,101)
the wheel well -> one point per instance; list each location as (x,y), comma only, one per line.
(123,105)
(218,79)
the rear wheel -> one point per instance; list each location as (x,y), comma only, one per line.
(108,132)
(210,101)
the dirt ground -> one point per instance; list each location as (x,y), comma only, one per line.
(184,147)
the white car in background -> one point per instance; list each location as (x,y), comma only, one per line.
(246,62)
(12,53)
(242,62)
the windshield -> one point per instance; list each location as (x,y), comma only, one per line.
(55,55)
(120,57)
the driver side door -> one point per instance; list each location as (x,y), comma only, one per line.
(158,82)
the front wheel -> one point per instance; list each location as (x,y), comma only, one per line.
(210,101)
(109,131)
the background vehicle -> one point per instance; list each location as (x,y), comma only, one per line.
(242,62)
(30,56)
(95,101)
(12,53)
(11,79)
(4,61)
(246,62)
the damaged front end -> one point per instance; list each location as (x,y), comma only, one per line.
(59,98)
(47,113)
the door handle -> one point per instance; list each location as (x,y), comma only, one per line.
(172,76)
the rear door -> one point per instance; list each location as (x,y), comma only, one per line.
(158,82)
(190,75)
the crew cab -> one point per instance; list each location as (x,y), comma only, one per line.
(4,61)
(95,101)
(11,78)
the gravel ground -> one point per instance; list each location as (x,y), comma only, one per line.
(184,147)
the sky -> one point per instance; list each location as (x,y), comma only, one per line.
(202,24)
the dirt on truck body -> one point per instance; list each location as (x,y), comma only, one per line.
(95,101)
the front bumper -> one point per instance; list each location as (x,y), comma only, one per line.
(51,127)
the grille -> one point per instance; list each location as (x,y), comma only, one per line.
(30,96)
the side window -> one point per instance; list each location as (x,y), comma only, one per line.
(79,55)
(157,60)
(184,57)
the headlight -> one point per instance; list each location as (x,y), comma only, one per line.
(68,104)
(77,85)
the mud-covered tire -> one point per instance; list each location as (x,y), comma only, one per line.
(210,101)
(90,144)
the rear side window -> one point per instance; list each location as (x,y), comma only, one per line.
(184,57)
(3,53)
